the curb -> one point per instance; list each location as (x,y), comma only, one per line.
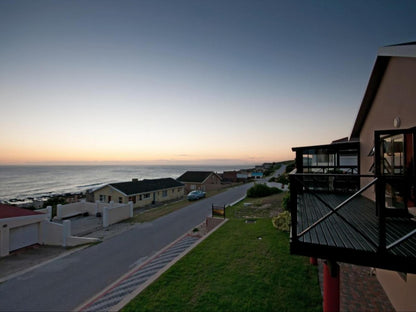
(237,201)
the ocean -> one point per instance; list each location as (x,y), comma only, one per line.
(36,182)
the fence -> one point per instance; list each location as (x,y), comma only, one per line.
(71,210)
(114,214)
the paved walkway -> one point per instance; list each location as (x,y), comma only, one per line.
(360,289)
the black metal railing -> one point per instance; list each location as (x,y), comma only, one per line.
(387,211)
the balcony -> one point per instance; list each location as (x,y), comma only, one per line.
(360,219)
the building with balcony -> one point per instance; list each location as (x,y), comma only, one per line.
(354,200)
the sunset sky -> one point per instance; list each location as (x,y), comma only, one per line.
(177,82)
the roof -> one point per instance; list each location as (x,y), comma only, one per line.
(9,211)
(383,57)
(195,176)
(143,186)
(336,145)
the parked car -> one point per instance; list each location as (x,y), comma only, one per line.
(194,195)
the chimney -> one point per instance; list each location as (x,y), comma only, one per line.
(135,180)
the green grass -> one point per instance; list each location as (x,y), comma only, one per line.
(264,207)
(235,270)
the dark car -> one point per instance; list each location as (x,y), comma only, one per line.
(194,195)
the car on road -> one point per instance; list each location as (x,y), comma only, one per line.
(195,195)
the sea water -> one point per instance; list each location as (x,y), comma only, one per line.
(23,182)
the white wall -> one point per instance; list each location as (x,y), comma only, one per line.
(117,213)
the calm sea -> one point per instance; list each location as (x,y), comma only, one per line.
(22,182)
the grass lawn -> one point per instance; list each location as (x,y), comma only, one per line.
(240,267)
(265,207)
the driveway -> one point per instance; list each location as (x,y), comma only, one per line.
(67,282)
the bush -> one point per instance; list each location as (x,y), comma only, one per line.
(284,179)
(282,221)
(290,167)
(286,202)
(262,190)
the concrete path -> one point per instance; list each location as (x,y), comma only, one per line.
(65,283)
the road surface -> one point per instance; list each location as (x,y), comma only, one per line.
(65,283)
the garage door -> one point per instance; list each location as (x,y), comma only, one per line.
(23,236)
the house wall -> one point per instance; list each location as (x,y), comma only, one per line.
(230,176)
(171,194)
(109,191)
(73,209)
(396,97)
(34,229)
(399,288)
(116,213)
(213,182)
(9,225)
(141,200)
(191,186)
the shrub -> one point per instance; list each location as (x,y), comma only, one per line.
(262,190)
(286,202)
(282,221)
(284,179)
(290,167)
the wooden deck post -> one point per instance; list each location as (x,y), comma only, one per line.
(331,286)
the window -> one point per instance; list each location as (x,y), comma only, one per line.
(120,200)
(147,195)
(392,154)
(140,197)
(132,199)
(102,198)
(164,193)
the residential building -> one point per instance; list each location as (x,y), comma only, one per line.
(19,228)
(200,180)
(256,174)
(354,201)
(141,193)
(229,176)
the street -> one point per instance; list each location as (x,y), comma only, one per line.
(67,282)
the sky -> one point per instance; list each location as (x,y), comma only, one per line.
(185,82)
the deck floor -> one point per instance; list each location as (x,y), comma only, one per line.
(362,232)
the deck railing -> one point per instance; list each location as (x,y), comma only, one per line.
(386,209)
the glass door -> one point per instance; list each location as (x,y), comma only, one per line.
(397,164)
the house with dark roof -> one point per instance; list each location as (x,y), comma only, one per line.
(355,201)
(200,180)
(141,193)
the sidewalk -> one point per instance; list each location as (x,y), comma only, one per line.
(360,289)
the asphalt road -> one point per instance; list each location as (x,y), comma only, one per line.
(65,283)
